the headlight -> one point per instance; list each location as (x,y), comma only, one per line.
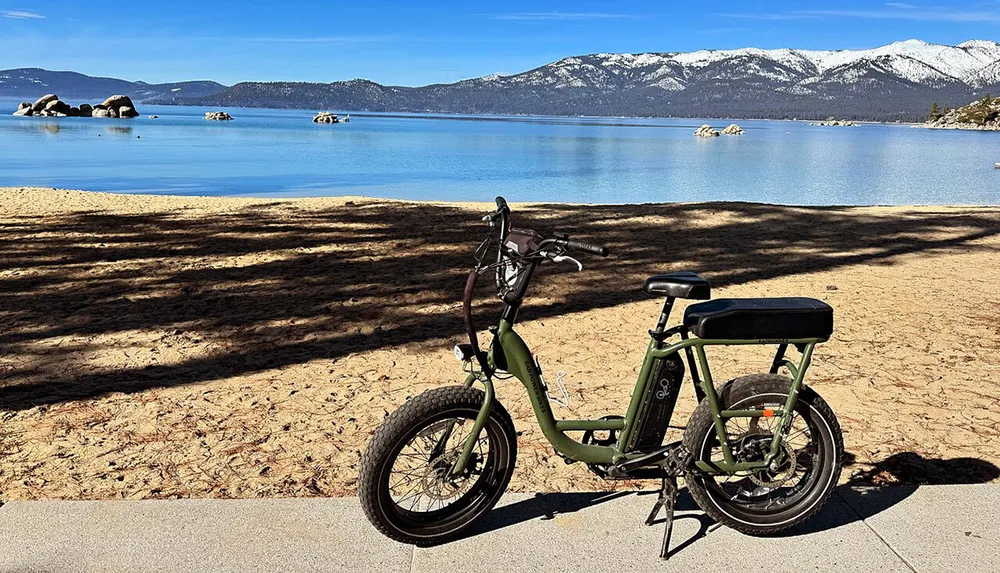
(463,352)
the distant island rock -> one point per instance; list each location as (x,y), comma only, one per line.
(218,116)
(980,115)
(49,105)
(835,123)
(709,131)
(329,117)
(706,131)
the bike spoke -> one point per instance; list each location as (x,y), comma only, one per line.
(749,440)
(418,481)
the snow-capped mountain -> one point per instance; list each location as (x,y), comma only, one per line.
(896,81)
(975,64)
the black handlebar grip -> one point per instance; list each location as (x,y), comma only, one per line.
(502,203)
(587,247)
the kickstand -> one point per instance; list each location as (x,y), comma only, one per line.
(668,500)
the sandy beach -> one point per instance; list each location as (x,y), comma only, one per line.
(161,347)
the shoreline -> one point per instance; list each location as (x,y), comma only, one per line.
(166,347)
(501,117)
(488,205)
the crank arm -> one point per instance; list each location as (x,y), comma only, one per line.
(650,459)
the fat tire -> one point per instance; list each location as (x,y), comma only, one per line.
(735,391)
(384,446)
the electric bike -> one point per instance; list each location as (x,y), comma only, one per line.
(761,454)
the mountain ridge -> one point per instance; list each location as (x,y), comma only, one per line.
(897,81)
(30,83)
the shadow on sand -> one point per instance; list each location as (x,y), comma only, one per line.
(273,285)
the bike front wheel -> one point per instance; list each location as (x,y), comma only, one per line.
(791,491)
(405,486)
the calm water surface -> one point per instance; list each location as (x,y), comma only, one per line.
(282,153)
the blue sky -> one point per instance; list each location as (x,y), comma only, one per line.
(415,43)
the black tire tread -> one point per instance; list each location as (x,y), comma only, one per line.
(734,390)
(400,422)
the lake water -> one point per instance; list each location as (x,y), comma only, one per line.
(282,153)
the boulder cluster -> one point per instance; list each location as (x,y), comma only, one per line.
(50,105)
(218,116)
(981,115)
(706,131)
(709,131)
(328,117)
(836,123)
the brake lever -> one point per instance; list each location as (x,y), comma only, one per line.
(564,258)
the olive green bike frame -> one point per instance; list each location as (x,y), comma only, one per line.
(522,365)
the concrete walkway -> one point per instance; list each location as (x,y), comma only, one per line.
(931,528)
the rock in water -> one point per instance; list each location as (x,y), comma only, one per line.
(836,123)
(326,117)
(706,131)
(50,105)
(733,129)
(117,101)
(41,102)
(24,109)
(57,106)
(218,116)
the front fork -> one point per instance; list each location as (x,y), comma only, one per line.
(477,426)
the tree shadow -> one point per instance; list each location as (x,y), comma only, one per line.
(264,286)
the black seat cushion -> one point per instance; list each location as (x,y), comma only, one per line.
(760,318)
(682,284)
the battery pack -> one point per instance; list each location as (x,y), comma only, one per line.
(658,404)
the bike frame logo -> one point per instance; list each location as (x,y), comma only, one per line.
(664,389)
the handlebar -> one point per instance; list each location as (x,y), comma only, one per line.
(503,214)
(536,253)
(587,247)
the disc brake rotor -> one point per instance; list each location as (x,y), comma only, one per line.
(435,482)
(770,479)
(437,487)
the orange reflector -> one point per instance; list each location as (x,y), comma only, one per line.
(768,413)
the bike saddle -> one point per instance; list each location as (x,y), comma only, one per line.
(682,284)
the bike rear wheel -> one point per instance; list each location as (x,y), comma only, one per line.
(404,486)
(766,501)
